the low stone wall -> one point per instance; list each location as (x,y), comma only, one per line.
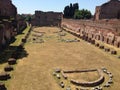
(86,84)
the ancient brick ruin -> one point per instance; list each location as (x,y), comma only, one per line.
(47,18)
(105,31)
(8,23)
(109,10)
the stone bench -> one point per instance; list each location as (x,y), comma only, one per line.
(11,61)
(107,49)
(4,76)
(114,52)
(2,86)
(87,84)
(8,68)
(101,47)
(97,44)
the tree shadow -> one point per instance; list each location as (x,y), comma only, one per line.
(17,52)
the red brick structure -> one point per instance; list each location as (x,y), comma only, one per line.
(105,31)
(8,13)
(109,10)
(47,18)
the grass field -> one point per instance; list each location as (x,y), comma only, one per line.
(34,72)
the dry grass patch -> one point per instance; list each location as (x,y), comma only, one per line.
(34,72)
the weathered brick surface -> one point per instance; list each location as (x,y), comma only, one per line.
(108,10)
(8,23)
(47,18)
(105,31)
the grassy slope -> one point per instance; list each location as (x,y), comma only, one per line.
(9,51)
(34,72)
(19,37)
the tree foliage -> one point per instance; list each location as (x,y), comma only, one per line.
(69,10)
(72,11)
(82,14)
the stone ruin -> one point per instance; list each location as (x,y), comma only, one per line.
(8,23)
(105,26)
(105,31)
(93,85)
(47,18)
(109,10)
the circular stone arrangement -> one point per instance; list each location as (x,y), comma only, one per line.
(94,85)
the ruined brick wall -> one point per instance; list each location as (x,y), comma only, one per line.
(96,30)
(7,8)
(8,13)
(108,10)
(47,18)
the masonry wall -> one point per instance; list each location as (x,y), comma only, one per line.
(8,13)
(47,18)
(101,30)
(109,10)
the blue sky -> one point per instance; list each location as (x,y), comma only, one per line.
(29,6)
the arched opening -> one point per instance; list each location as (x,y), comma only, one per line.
(118,15)
(107,40)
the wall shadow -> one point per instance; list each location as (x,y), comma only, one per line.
(17,52)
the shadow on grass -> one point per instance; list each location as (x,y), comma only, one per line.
(17,52)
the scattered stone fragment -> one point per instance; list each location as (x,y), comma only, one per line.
(63,74)
(4,76)
(107,85)
(114,52)
(58,76)
(107,49)
(8,68)
(62,84)
(110,81)
(92,41)
(2,86)
(98,88)
(119,57)
(97,44)
(23,40)
(68,88)
(109,72)
(110,75)
(105,71)
(54,74)
(11,61)
(101,47)
(103,68)
(77,89)
(57,70)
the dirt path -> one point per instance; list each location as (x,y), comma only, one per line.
(34,72)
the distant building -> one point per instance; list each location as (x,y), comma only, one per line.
(47,18)
(109,10)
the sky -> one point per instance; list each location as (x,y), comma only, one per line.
(29,6)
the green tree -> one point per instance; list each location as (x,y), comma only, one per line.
(82,14)
(69,10)
(28,18)
(66,11)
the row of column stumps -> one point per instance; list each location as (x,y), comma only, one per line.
(5,75)
(94,84)
(92,41)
